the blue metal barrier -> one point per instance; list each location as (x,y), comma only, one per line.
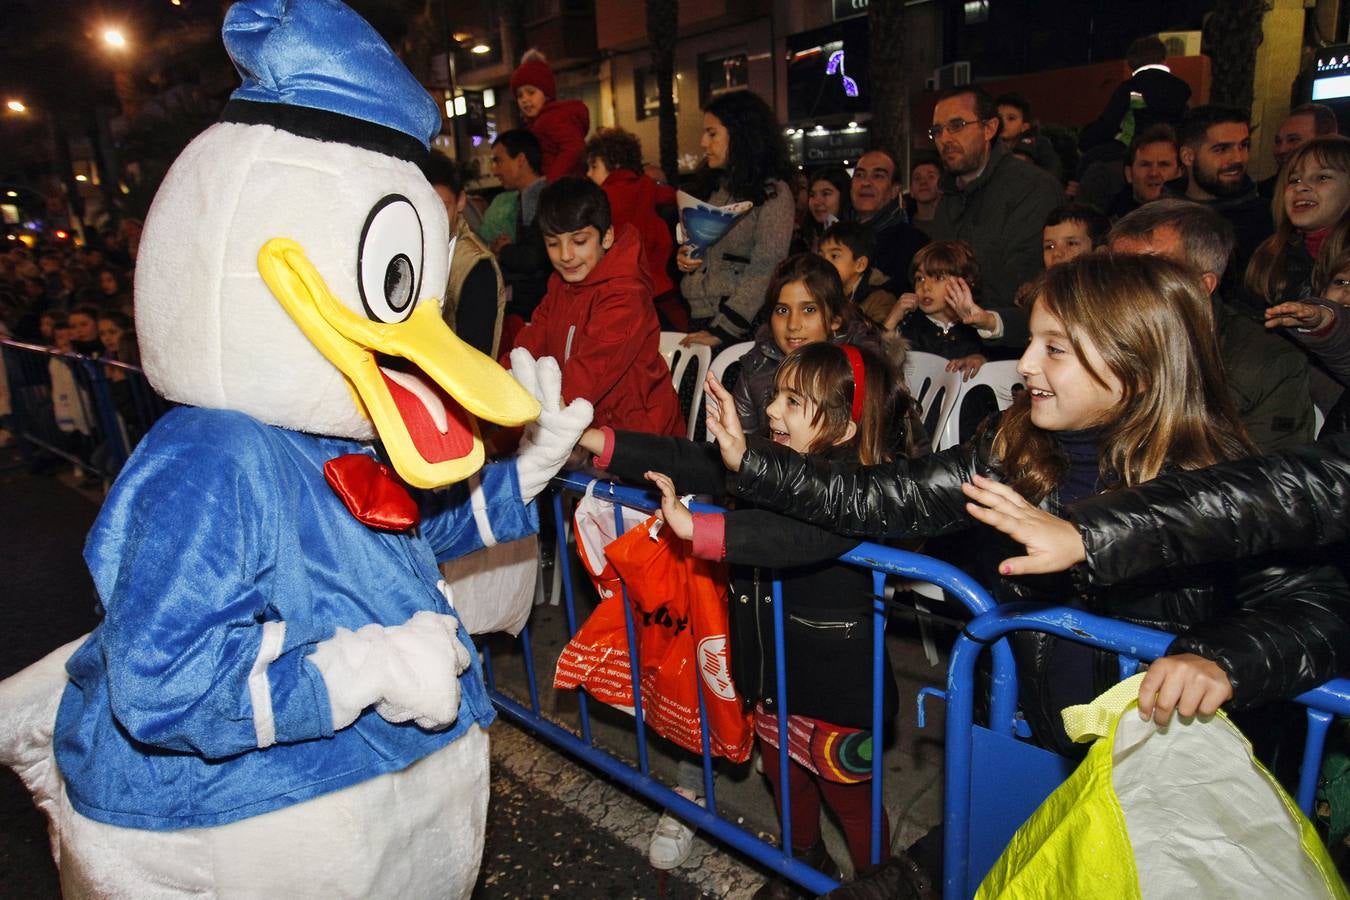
(881,560)
(102,407)
(1026,775)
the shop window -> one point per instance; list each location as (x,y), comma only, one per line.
(647,96)
(722,72)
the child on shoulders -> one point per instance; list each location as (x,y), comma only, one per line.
(597,318)
(560,125)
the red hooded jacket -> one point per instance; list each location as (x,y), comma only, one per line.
(632,201)
(605,336)
(561,128)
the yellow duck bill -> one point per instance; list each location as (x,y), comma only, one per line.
(418,383)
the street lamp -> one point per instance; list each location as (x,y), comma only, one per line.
(16,106)
(114,38)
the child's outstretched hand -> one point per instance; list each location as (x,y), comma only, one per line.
(724,424)
(1053,544)
(676,514)
(962,301)
(1186,683)
(968,366)
(1307,316)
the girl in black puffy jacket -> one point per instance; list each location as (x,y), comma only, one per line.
(1123,383)
(836,401)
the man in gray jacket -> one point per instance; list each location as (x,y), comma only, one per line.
(995,202)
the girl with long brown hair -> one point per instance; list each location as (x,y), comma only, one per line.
(1123,381)
(1311,226)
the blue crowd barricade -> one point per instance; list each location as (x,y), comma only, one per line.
(87,412)
(1007,779)
(882,561)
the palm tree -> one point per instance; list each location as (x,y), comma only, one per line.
(663,25)
(1231,34)
(887,78)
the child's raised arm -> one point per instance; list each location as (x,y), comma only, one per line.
(724,423)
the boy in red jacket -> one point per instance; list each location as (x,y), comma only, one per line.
(560,125)
(597,318)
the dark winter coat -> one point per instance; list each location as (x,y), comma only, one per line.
(754,388)
(1001,215)
(1276,626)
(827,606)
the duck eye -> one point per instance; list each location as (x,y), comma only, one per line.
(389,261)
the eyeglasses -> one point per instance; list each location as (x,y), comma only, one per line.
(952,127)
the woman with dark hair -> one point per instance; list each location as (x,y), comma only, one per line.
(744,158)
(827,201)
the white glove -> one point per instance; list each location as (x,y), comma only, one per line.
(548,440)
(407,671)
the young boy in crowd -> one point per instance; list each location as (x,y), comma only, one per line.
(848,246)
(926,319)
(1070,231)
(597,318)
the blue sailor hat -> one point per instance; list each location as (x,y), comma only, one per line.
(319,70)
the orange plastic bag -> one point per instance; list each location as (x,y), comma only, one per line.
(679,607)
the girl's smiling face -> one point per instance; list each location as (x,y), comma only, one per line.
(1065,393)
(823,200)
(799,318)
(791,416)
(1316,196)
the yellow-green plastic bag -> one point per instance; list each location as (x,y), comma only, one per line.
(1182,811)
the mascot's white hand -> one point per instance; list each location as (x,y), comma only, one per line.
(549,440)
(407,671)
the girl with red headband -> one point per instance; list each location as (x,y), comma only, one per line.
(560,125)
(839,403)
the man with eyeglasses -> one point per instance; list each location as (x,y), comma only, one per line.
(993,201)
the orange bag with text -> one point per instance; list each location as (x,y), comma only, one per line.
(679,605)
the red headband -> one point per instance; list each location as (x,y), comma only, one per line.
(855,362)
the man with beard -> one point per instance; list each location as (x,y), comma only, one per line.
(1216,146)
(995,202)
(1311,120)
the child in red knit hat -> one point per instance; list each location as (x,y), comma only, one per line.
(560,125)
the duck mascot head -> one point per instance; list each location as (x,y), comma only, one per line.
(280,699)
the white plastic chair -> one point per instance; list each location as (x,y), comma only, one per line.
(678,359)
(934,388)
(723,363)
(1000,377)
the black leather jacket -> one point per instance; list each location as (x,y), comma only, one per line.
(1285,502)
(1277,628)
(827,605)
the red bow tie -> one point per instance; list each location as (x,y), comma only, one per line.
(371,492)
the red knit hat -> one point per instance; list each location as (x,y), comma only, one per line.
(534,71)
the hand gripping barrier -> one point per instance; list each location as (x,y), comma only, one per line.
(1005,780)
(882,561)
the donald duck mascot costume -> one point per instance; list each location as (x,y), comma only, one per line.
(280,699)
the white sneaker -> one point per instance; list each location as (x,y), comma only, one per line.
(671,841)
